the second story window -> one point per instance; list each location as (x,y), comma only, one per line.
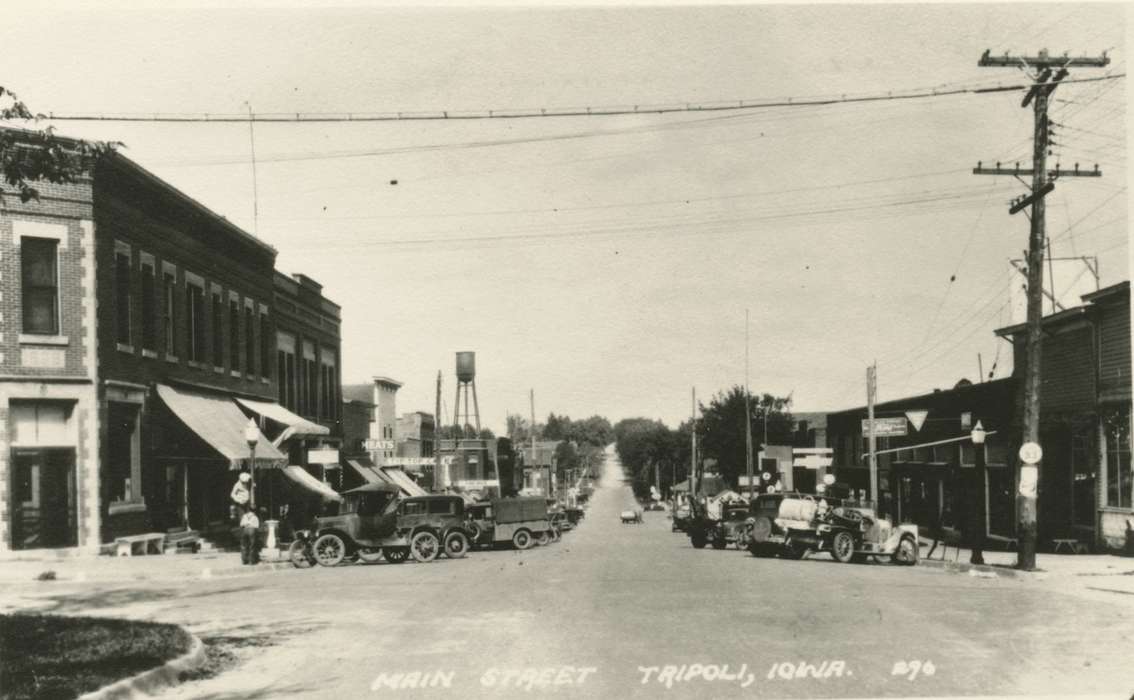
(169,312)
(218,331)
(234,334)
(195,316)
(249,341)
(39,281)
(122,296)
(149,307)
(265,344)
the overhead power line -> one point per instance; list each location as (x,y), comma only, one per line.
(540,113)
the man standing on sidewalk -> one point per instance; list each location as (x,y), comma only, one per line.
(249,537)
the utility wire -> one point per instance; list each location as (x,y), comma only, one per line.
(542,113)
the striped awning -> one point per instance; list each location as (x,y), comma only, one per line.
(217,421)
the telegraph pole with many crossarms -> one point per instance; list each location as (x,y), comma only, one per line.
(1046,72)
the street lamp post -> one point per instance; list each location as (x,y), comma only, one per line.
(252,436)
(977,497)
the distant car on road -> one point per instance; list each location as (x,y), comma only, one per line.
(631,517)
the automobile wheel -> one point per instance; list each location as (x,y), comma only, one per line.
(522,539)
(544,539)
(456,545)
(300,555)
(698,540)
(719,542)
(370,556)
(330,550)
(396,555)
(842,547)
(906,553)
(424,546)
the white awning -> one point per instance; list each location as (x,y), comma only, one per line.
(217,421)
(296,425)
(401,480)
(300,476)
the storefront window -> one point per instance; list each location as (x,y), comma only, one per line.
(1119,479)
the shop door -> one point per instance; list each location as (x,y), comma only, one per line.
(803,479)
(175,498)
(43,489)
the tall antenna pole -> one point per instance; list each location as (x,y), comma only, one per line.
(747,414)
(693,455)
(438,421)
(255,192)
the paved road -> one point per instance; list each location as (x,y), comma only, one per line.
(619,611)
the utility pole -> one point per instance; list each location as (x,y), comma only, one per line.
(1046,72)
(693,454)
(531,434)
(748,415)
(438,480)
(871,392)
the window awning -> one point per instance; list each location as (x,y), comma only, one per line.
(402,481)
(300,476)
(296,425)
(218,422)
(366,471)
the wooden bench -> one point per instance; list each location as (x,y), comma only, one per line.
(149,543)
(1073,546)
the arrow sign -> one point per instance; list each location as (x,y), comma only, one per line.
(917,418)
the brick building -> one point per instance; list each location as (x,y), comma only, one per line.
(49,481)
(138,344)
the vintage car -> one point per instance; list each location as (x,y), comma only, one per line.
(729,527)
(632,517)
(680,516)
(791,524)
(374,522)
(521,521)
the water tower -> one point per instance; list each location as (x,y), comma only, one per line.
(466,380)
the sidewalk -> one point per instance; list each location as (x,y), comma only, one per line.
(1102,572)
(30,566)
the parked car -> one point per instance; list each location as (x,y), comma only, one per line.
(374,522)
(521,521)
(790,524)
(680,517)
(728,528)
(631,517)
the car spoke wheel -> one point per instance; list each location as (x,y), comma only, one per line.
(544,539)
(300,555)
(330,550)
(424,546)
(698,540)
(522,539)
(456,545)
(842,546)
(906,553)
(396,555)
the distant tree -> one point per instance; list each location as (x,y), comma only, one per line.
(556,427)
(30,155)
(486,434)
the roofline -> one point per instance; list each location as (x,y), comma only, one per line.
(117,158)
(1052,319)
(1117,288)
(922,396)
(388,381)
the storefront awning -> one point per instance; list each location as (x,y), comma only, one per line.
(300,476)
(217,421)
(399,477)
(366,471)
(296,425)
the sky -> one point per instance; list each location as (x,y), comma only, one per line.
(608,262)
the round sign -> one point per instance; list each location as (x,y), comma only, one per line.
(766,476)
(1030,453)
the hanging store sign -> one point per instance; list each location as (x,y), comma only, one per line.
(1029,479)
(885,427)
(323,456)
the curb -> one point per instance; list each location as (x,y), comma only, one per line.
(146,682)
(981,570)
(202,573)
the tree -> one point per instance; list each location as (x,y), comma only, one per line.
(27,156)
(722,426)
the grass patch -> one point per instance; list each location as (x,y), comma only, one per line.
(45,656)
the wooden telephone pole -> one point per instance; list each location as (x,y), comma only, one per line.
(1046,72)
(871,440)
